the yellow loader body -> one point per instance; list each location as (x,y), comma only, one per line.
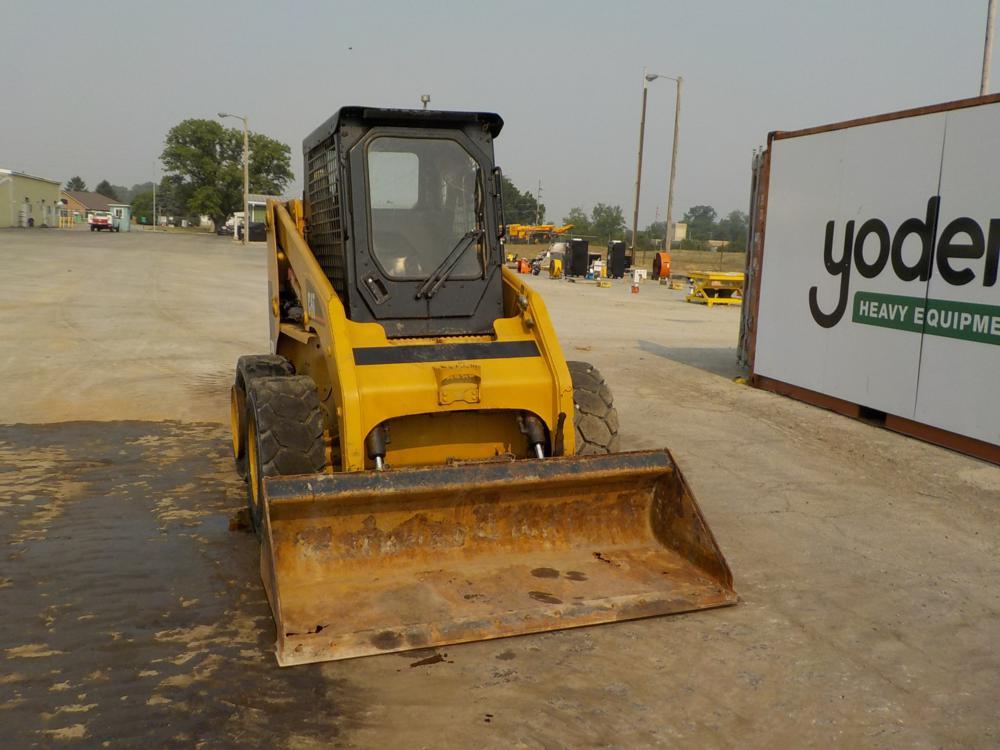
(466,536)
(424,466)
(366,378)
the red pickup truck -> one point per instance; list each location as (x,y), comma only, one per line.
(101,220)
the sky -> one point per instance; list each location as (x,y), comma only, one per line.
(92,89)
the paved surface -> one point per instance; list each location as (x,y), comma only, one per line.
(868,562)
(126,326)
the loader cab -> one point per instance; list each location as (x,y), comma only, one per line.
(403,213)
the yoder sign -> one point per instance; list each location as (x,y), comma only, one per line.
(960,243)
(879,279)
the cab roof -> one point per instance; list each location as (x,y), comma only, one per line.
(427,118)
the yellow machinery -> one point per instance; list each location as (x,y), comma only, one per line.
(423,465)
(556,268)
(715,287)
(536,232)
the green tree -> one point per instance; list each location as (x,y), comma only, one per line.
(700,221)
(76,184)
(170,198)
(652,236)
(607,222)
(205,164)
(734,228)
(105,188)
(142,207)
(128,194)
(144,187)
(519,207)
(122,193)
(579,219)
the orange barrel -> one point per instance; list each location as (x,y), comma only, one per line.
(661,265)
(523,266)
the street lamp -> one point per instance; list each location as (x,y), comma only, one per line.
(646,79)
(246,174)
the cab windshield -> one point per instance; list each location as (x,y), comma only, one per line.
(424,198)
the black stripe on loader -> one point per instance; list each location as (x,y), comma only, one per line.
(394,355)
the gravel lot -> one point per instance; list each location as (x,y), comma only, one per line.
(133,616)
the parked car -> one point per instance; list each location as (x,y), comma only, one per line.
(257,232)
(224,230)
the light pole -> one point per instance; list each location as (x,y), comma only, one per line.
(246,174)
(991,17)
(673,165)
(425,99)
(646,78)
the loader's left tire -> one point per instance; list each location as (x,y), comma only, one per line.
(595,419)
(250,367)
(284,435)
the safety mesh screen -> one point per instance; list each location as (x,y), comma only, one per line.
(323,214)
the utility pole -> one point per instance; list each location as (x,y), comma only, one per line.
(538,202)
(246,173)
(246,182)
(991,18)
(646,78)
(154,196)
(673,168)
(638,170)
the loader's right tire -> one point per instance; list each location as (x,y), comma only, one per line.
(595,418)
(248,368)
(284,435)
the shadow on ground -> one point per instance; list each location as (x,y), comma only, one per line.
(717,360)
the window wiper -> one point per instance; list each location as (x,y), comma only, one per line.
(440,274)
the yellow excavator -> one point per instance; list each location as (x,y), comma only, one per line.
(423,465)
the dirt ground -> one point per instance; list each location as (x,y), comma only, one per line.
(867,562)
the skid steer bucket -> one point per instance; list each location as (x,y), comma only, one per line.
(368,563)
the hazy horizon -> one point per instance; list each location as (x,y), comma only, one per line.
(94,92)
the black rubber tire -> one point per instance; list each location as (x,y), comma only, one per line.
(248,368)
(285,421)
(595,419)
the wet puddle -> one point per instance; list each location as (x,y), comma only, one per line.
(132,613)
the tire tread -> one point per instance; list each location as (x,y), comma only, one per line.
(595,418)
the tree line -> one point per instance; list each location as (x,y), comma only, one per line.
(203,162)
(605,223)
(118,193)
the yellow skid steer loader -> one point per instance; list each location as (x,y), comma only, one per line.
(423,465)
